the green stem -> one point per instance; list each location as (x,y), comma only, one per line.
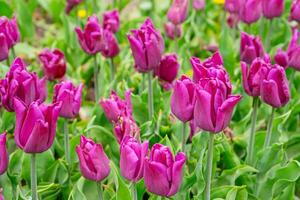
(175,39)
(7,62)
(96,72)
(66,141)
(95,8)
(183,136)
(150,96)
(268,40)
(100,191)
(13,52)
(33,178)
(133,192)
(209,166)
(252,130)
(112,69)
(269,129)
(143,83)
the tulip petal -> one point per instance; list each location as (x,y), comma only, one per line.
(138,52)
(177,173)
(100,162)
(128,162)
(269,93)
(86,172)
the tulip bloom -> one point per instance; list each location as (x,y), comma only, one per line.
(295,11)
(274,86)
(9,28)
(232,6)
(167,70)
(173,31)
(272,8)
(91,38)
(3,154)
(111,47)
(20,83)
(250,11)
(250,48)
(147,46)
(213,107)
(54,63)
(114,107)
(294,51)
(182,99)
(177,13)
(233,20)
(198,4)
(132,156)
(163,173)
(93,162)
(125,126)
(281,58)
(35,125)
(111,20)
(70,96)
(71,4)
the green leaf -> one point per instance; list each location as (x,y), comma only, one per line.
(5,9)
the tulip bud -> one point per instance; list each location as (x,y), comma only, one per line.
(281,58)
(54,64)
(132,156)
(1,195)
(173,31)
(163,173)
(71,4)
(126,126)
(293,51)
(35,125)
(111,47)
(4,51)
(20,83)
(182,99)
(251,48)
(114,107)
(272,8)
(232,6)
(250,11)
(9,28)
(274,86)
(147,46)
(91,39)
(233,20)
(198,4)
(93,162)
(295,11)
(70,96)
(177,13)
(3,154)
(111,20)
(213,107)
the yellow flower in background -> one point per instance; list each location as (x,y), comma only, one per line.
(219,1)
(81,13)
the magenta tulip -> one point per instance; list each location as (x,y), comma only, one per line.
(70,97)
(35,125)
(132,156)
(272,8)
(295,11)
(198,4)
(4,51)
(294,51)
(147,46)
(1,195)
(251,48)
(213,107)
(91,38)
(281,58)
(111,20)
(182,99)
(9,28)
(178,11)
(54,63)
(173,31)
(125,126)
(111,47)
(163,173)
(250,11)
(20,83)
(93,162)
(71,4)
(3,154)
(232,6)
(233,20)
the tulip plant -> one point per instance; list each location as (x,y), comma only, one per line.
(155,100)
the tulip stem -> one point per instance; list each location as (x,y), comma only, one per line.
(66,141)
(7,61)
(150,96)
(252,130)
(176,39)
(13,52)
(183,135)
(112,68)
(96,71)
(100,191)
(33,177)
(269,129)
(134,192)
(268,40)
(209,166)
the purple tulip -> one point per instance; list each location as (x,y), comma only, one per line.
(147,46)
(163,173)
(198,4)
(232,6)
(182,99)
(167,70)
(178,11)
(54,63)
(91,39)
(274,86)
(233,20)
(272,8)
(251,48)
(125,126)
(111,47)
(213,107)
(20,83)
(35,125)
(295,11)
(9,28)
(173,31)
(294,51)
(211,68)
(281,58)
(70,96)
(111,20)
(71,4)
(1,195)
(250,11)
(114,107)
(4,51)
(132,156)
(3,154)
(93,162)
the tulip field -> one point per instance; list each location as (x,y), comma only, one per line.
(149,99)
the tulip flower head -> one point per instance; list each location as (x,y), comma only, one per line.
(281,58)
(293,51)
(233,20)
(71,4)
(111,47)
(198,4)
(111,20)
(295,11)
(250,11)
(272,8)
(125,126)
(178,11)
(163,172)
(93,162)
(3,154)
(251,48)
(232,6)
(9,28)
(173,31)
